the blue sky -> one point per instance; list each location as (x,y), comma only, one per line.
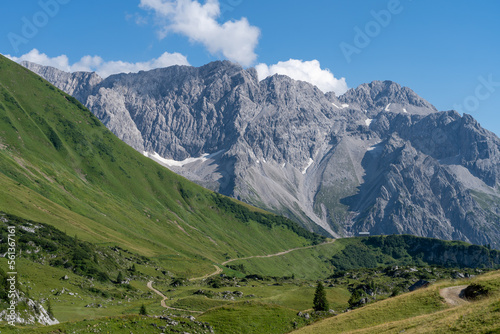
(448,52)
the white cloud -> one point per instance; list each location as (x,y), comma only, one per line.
(97,64)
(165,60)
(236,40)
(34,56)
(309,71)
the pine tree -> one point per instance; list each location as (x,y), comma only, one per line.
(119,278)
(142,310)
(320,302)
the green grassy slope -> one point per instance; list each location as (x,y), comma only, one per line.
(230,304)
(59,165)
(248,318)
(80,281)
(422,311)
(371,252)
(125,324)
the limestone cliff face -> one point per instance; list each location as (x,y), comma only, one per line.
(378,158)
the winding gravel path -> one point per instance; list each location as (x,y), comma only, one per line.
(452,295)
(219,270)
(163,304)
(277,254)
(216,272)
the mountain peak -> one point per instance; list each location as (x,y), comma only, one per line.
(386,96)
(223,64)
(377,158)
(378,85)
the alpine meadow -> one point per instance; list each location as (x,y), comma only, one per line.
(249,167)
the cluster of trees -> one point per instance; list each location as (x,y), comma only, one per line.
(354,257)
(423,251)
(404,250)
(64,251)
(244,214)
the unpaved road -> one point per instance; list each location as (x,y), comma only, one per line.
(216,272)
(219,270)
(452,295)
(277,254)
(163,304)
(150,287)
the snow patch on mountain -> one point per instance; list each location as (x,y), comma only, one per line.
(309,164)
(175,163)
(343,106)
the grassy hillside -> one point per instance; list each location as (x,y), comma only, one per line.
(73,274)
(371,252)
(261,304)
(422,311)
(80,281)
(125,324)
(59,165)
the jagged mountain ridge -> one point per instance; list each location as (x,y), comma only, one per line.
(61,166)
(378,158)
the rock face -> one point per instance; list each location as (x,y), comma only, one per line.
(377,159)
(33,313)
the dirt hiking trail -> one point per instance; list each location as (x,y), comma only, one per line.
(452,295)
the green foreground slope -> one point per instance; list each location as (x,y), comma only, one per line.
(80,281)
(59,165)
(422,311)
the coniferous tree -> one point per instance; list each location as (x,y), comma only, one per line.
(320,302)
(119,278)
(142,310)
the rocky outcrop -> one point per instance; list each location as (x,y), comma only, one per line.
(78,84)
(30,313)
(379,158)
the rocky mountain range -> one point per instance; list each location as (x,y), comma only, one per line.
(377,159)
